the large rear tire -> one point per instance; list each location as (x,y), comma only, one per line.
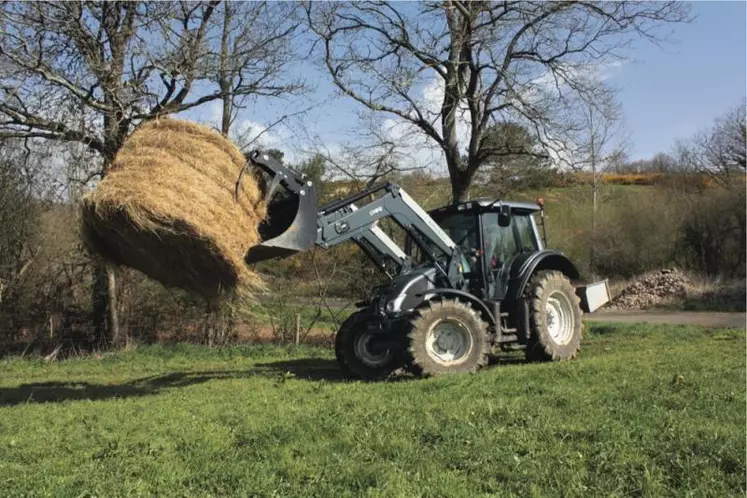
(357,354)
(351,322)
(555,325)
(447,337)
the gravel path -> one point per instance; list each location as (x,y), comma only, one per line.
(704,318)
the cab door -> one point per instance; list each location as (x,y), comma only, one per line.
(501,247)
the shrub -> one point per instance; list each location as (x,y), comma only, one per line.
(712,236)
(635,234)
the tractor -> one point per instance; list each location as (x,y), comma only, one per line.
(472,277)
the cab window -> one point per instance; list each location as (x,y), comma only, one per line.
(500,242)
(525,231)
(503,243)
(463,230)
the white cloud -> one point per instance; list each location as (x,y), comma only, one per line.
(245,133)
(554,82)
(540,90)
(422,150)
(552,96)
(252,134)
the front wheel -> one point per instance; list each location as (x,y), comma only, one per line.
(358,353)
(555,325)
(448,337)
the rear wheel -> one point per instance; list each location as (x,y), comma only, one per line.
(448,337)
(350,322)
(358,353)
(555,326)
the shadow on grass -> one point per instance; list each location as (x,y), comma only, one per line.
(307,369)
(56,392)
(311,369)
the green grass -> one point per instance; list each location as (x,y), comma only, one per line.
(644,411)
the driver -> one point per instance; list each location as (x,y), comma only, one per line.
(500,246)
(467,242)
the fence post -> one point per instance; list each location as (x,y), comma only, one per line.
(298,328)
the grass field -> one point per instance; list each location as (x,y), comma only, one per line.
(644,411)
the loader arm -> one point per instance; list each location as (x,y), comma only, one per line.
(297,224)
(381,249)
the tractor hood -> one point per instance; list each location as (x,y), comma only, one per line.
(407,291)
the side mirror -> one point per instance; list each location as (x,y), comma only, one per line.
(504,216)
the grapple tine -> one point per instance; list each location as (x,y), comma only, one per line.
(291,222)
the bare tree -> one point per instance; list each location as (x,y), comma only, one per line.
(366,163)
(721,149)
(255,51)
(453,68)
(19,168)
(89,72)
(601,145)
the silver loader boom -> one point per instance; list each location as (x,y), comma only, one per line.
(295,222)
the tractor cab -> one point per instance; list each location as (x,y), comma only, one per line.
(490,235)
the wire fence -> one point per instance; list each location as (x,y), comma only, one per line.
(276,320)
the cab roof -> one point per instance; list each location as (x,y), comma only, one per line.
(488,206)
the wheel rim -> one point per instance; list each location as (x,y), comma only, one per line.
(448,342)
(560,319)
(366,354)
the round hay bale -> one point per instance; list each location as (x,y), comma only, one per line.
(167,208)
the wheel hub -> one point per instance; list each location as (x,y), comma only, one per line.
(367,351)
(559,318)
(448,342)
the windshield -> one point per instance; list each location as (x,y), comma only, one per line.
(462,229)
(501,243)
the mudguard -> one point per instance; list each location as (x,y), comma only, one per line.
(526,265)
(464,296)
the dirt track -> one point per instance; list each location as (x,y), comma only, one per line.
(703,318)
(706,319)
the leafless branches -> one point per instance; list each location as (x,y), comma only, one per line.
(451,69)
(255,50)
(89,72)
(720,150)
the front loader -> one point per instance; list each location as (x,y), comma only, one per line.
(472,277)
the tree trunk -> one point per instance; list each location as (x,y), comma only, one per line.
(459,189)
(226,121)
(211,318)
(461,180)
(594,186)
(99,304)
(104,306)
(104,291)
(592,253)
(112,308)
(224,78)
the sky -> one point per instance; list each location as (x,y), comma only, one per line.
(672,92)
(667,92)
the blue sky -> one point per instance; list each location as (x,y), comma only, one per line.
(672,92)
(667,92)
